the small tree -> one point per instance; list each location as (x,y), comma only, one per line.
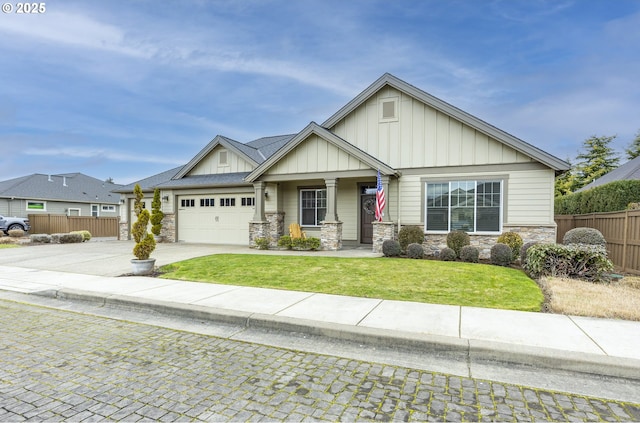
(156,214)
(634,149)
(598,159)
(145,244)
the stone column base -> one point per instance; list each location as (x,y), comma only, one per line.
(124,231)
(383,231)
(258,230)
(276,230)
(331,236)
(168,231)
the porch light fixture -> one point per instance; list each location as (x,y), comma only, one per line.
(165,198)
(266,194)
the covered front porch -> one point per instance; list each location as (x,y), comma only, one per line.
(339,210)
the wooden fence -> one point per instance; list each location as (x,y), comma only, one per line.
(60,223)
(620,229)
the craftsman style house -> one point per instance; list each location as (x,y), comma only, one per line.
(441,168)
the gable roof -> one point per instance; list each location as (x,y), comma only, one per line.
(387,79)
(70,187)
(255,152)
(627,171)
(314,128)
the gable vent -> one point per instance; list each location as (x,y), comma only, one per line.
(388,109)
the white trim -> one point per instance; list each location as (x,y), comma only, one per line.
(43,209)
(74,208)
(475,206)
(97,211)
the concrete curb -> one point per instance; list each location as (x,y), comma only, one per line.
(470,351)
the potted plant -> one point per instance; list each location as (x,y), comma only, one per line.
(145,244)
(156,216)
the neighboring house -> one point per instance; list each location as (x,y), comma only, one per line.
(71,194)
(442,169)
(627,171)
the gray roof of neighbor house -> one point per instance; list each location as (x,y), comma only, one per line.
(627,171)
(148,184)
(69,187)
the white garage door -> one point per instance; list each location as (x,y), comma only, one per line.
(215,219)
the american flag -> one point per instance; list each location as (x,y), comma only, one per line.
(380,200)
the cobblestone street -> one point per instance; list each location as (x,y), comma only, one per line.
(57,365)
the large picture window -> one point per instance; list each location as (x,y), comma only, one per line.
(313,206)
(471,206)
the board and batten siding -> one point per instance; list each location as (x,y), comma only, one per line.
(211,163)
(315,154)
(528,195)
(420,137)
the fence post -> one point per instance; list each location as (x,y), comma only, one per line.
(624,241)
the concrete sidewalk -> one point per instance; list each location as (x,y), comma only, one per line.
(589,345)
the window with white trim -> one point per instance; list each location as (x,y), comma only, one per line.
(207,202)
(248,201)
(108,208)
(471,206)
(187,202)
(36,206)
(313,206)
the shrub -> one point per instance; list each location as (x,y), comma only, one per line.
(501,255)
(523,251)
(6,240)
(580,261)
(447,254)
(16,233)
(409,235)
(415,251)
(514,241)
(284,242)
(70,238)
(156,213)
(469,254)
(456,240)
(86,235)
(312,243)
(262,243)
(145,244)
(588,236)
(40,238)
(391,248)
(613,196)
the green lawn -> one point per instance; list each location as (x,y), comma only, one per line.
(8,246)
(429,281)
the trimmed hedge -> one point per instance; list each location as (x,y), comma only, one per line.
(391,248)
(614,196)
(415,251)
(579,261)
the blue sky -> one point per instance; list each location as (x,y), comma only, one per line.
(127,89)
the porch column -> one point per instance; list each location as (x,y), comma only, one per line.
(332,192)
(259,188)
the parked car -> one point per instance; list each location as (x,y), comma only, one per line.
(9,223)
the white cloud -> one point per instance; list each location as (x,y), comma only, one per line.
(104,154)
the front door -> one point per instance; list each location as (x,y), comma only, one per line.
(367,214)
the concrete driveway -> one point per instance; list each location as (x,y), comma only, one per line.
(102,257)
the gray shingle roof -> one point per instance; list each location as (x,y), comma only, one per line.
(71,187)
(629,170)
(220,179)
(148,184)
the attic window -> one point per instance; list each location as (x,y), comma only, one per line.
(389,109)
(224,158)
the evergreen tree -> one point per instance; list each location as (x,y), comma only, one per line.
(634,149)
(597,159)
(567,182)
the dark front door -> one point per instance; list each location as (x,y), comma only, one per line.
(367,216)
